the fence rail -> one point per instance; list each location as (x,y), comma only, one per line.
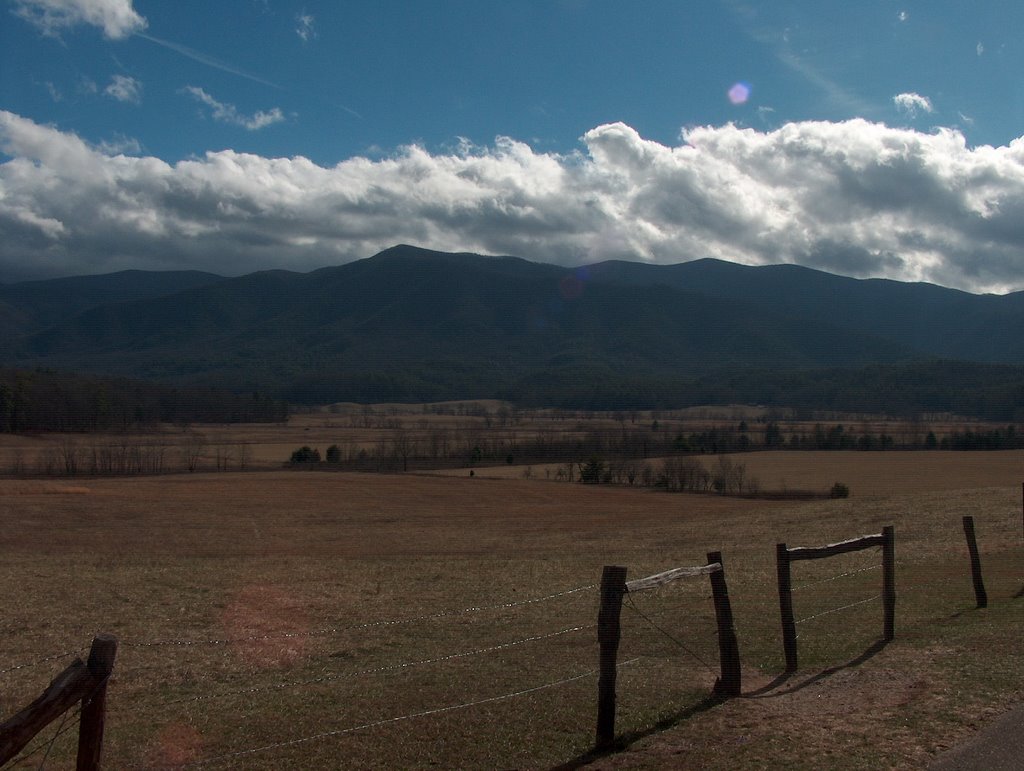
(784,556)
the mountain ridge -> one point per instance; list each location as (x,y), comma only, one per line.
(461,324)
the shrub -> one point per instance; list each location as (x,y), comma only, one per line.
(592,472)
(839,490)
(305,455)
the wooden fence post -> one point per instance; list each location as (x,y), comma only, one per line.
(609,631)
(972,547)
(79,682)
(730,681)
(889,582)
(90,727)
(786,606)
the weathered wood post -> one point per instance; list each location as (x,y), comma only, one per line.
(79,682)
(786,606)
(90,727)
(609,632)
(730,681)
(972,546)
(889,582)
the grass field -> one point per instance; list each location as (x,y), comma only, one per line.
(255,615)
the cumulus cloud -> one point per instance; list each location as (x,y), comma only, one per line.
(911,104)
(124,89)
(117,18)
(228,113)
(857,198)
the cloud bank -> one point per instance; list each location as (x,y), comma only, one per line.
(117,18)
(855,198)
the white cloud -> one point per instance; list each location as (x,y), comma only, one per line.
(124,89)
(980,48)
(856,198)
(911,103)
(228,113)
(117,18)
(305,27)
(903,16)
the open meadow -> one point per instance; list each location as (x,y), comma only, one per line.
(286,618)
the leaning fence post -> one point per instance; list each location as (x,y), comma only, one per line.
(889,581)
(609,631)
(90,727)
(730,682)
(972,546)
(786,606)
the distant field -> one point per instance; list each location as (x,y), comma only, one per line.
(457,426)
(280,581)
(866,473)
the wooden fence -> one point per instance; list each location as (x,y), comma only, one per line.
(84,682)
(614,587)
(784,556)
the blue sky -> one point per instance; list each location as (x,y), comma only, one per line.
(874,138)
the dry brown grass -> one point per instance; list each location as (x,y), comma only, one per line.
(289,567)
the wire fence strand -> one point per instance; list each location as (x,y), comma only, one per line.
(386,721)
(374,671)
(351,627)
(677,641)
(43,660)
(836,610)
(836,577)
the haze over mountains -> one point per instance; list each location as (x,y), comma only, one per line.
(410,323)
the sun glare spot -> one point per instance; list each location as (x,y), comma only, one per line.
(739,93)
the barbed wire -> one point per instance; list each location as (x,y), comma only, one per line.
(678,642)
(43,660)
(836,577)
(386,721)
(836,610)
(376,670)
(350,627)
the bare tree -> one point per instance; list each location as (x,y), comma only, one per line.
(192,450)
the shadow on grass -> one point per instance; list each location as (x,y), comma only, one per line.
(713,700)
(769,692)
(624,740)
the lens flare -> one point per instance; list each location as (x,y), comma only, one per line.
(739,93)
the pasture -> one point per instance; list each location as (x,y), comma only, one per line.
(274,619)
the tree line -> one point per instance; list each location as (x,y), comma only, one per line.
(48,400)
(404,449)
(993,392)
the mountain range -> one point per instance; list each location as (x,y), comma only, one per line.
(410,323)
